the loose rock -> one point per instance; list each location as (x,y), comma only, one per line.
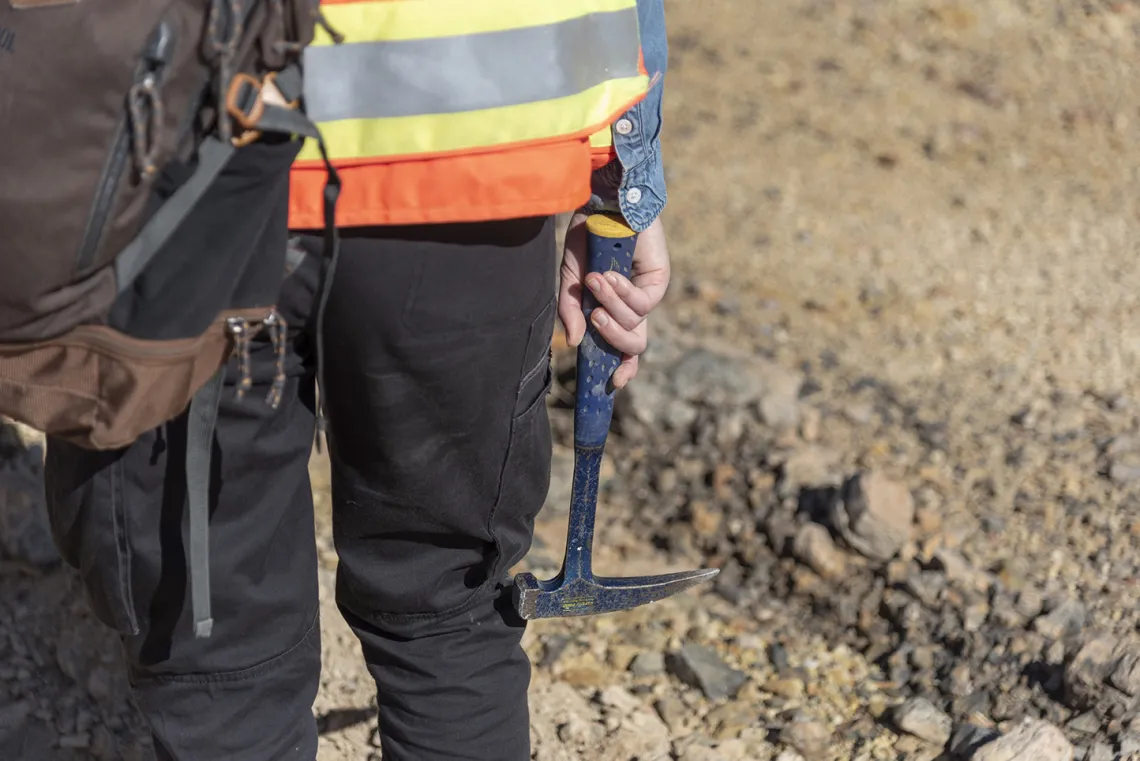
(810,738)
(1126,676)
(1033,740)
(1100,752)
(1086,672)
(25,534)
(919,717)
(875,515)
(1065,620)
(648,664)
(813,546)
(700,666)
(967,738)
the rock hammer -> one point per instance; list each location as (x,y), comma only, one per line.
(575,591)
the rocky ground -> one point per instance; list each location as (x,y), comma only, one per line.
(893,394)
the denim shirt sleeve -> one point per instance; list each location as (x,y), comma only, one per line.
(635,184)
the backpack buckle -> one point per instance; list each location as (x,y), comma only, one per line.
(246,100)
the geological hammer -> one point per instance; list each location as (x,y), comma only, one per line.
(575,591)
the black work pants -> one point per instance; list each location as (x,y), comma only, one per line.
(436,344)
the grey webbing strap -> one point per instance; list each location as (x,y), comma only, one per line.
(286,121)
(199,445)
(290,82)
(132,260)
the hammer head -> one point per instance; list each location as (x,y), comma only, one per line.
(561,597)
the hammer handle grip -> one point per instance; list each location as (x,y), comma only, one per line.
(609,247)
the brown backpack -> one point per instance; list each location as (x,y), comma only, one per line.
(116,116)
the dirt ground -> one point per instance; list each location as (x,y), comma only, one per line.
(924,214)
(942,194)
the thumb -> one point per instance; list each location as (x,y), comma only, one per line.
(571,284)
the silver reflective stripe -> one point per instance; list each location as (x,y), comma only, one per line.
(376,80)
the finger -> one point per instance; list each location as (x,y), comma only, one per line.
(651,267)
(626,371)
(615,305)
(625,341)
(639,297)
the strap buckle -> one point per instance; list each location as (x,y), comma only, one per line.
(246,100)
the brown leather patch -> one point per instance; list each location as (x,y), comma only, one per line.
(23,5)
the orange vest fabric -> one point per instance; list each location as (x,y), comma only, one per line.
(403,163)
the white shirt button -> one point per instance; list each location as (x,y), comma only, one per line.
(624,126)
(633,195)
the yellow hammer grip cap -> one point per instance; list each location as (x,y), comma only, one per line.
(608,226)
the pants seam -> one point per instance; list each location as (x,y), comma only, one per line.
(235,676)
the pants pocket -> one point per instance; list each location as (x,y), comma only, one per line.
(525,477)
(86,511)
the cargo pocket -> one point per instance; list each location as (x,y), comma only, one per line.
(525,477)
(86,511)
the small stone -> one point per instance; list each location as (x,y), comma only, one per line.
(1032,740)
(700,666)
(1100,752)
(1087,723)
(579,731)
(584,671)
(974,617)
(1125,469)
(961,682)
(926,586)
(967,738)
(620,699)
(813,545)
(673,712)
(929,520)
(103,745)
(25,534)
(789,689)
(811,738)
(920,717)
(789,755)
(810,467)
(641,735)
(621,655)
(1129,745)
(1030,602)
(697,752)
(648,664)
(956,568)
(14,714)
(780,407)
(1085,673)
(706,519)
(1126,675)
(728,378)
(730,719)
(811,424)
(1067,619)
(875,515)
(75,741)
(99,683)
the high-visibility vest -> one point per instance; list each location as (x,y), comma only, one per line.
(464,110)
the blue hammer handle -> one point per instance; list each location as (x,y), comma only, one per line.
(609,247)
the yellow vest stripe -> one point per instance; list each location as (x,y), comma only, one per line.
(415,136)
(388,20)
(473,72)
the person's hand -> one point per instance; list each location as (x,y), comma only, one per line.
(624,303)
